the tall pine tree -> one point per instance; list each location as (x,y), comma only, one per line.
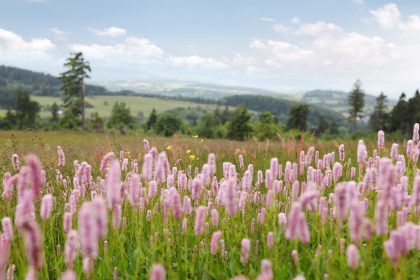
(298,117)
(73,90)
(379,120)
(356,103)
(399,116)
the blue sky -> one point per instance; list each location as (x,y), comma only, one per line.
(288,46)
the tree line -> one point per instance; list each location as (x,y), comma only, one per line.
(234,123)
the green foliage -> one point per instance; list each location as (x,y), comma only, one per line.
(25,113)
(326,128)
(414,109)
(73,89)
(399,116)
(405,114)
(322,126)
(54,112)
(224,116)
(191,115)
(9,121)
(95,123)
(206,126)
(298,117)
(121,118)
(266,126)
(380,117)
(238,126)
(356,104)
(168,124)
(280,107)
(36,83)
(26,110)
(151,121)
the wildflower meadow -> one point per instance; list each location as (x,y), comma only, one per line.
(209,209)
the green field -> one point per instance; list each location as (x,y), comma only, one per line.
(144,233)
(103,104)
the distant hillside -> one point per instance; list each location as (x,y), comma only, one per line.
(338,100)
(189,90)
(36,83)
(280,108)
(324,102)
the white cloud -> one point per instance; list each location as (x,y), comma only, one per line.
(129,49)
(319,28)
(58,33)
(281,53)
(111,31)
(388,16)
(141,51)
(257,44)
(196,61)
(358,2)
(332,51)
(281,28)
(35,53)
(12,42)
(268,19)
(295,20)
(412,23)
(239,59)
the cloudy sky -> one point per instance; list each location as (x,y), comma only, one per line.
(284,45)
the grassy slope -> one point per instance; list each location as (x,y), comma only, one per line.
(135,103)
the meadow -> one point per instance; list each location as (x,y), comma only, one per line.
(102,104)
(105,206)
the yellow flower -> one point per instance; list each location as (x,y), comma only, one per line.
(202,140)
(192,157)
(169,148)
(188,151)
(195,136)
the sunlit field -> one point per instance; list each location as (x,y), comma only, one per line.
(103,104)
(118,207)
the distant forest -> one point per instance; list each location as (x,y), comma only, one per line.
(36,83)
(318,112)
(41,84)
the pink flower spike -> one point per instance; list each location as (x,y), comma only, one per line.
(270,240)
(61,157)
(88,231)
(214,217)
(7,226)
(32,236)
(67,221)
(15,162)
(199,219)
(245,250)
(68,275)
(157,272)
(36,173)
(352,256)
(46,206)
(71,248)
(214,241)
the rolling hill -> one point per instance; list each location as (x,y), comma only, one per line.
(280,108)
(141,97)
(337,100)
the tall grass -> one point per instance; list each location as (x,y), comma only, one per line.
(145,239)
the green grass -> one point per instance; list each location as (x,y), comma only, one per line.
(185,255)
